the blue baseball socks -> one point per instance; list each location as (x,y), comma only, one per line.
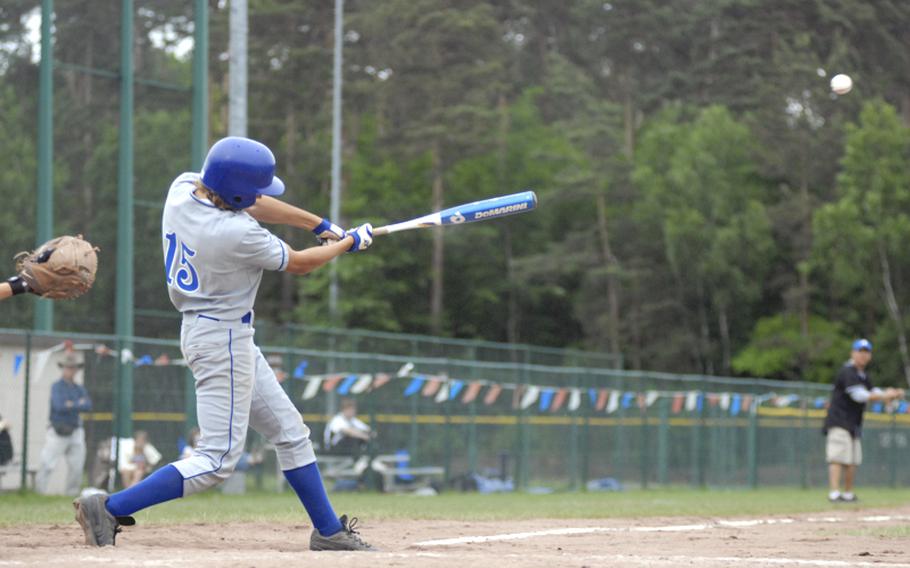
(307,483)
(162,485)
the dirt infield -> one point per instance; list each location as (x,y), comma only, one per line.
(843,538)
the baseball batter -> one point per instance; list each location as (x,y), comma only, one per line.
(214,253)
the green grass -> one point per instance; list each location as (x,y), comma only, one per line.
(214,507)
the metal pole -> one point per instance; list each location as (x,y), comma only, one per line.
(44,309)
(335,205)
(25,404)
(200,84)
(237,69)
(124,296)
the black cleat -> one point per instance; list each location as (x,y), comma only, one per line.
(345,539)
(100,527)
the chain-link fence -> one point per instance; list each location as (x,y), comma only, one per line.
(557,427)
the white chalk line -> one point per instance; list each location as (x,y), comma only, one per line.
(660,528)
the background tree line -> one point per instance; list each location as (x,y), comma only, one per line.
(707,205)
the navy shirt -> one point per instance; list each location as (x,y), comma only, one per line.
(844,412)
(62,392)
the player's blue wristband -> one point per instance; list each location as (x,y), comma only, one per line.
(322,227)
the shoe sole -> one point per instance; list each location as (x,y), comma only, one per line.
(86,526)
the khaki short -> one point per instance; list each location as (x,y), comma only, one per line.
(842,448)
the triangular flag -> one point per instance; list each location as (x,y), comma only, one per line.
(574,400)
(17,363)
(725,401)
(627,399)
(471,392)
(691,401)
(300,369)
(328,385)
(144,360)
(700,402)
(613,404)
(877,407)
(546,399)
(492,394)
(677,405)
(559,399)
(529,397)
(362,384)
(414,386)
(432,387)
(602,398)
(902,407)
(592,394)
(735,404)
(312,387)
(455,387)
(713,399)
(379,380)
(650,398)
(345,387)
(443,394)
(747,402)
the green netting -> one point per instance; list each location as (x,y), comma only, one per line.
(647,435)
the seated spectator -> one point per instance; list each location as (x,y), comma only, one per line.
(345,434)
(136,459)
(192,440)
(6,443)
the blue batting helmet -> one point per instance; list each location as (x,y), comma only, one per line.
(238,170)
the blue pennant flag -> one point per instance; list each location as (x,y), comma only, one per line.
(700,402)
(455,387)
(592,394)
(902,407)
(300,369)
(345,387)
(17,363)
(736,403)
(819,402)
(546,399)
(144,360)
(414,386)
(627,399)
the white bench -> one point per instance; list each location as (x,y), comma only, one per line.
(390,468)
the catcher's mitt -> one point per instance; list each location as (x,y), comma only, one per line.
(61,268)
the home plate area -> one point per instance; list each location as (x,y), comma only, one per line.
(847,538)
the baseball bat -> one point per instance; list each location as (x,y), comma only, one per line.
(467,213)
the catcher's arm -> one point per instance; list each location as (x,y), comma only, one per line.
(13,286)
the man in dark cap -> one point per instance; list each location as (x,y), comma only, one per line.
(65,436)
(844,422)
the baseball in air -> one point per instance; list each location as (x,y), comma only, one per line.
(841,84)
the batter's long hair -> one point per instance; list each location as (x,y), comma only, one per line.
(212,196)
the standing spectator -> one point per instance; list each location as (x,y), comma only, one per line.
(137,457)
(65,436)
(345,434)
(843,424)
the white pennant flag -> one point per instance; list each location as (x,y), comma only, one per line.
(312,387)
(691,401)
(443,394)
(725,401)
(651,398)
(613,402)
(530,396)
(574,400)
(362,384)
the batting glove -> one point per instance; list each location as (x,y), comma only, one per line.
(327,231)
(363,237)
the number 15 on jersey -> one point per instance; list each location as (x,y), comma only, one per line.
(186,279)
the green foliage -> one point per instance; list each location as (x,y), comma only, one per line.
(701,192)
(777,346)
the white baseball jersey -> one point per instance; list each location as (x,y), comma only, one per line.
(214,258)
(214,261)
